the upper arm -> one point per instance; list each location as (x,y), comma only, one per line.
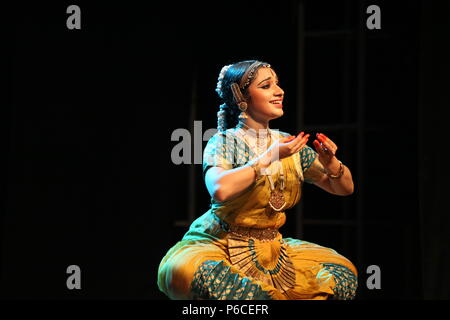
(217,154)
(211,176)
(217,157)
(313,170)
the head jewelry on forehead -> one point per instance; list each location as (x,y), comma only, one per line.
(236,90)
(245,81)
(250,73)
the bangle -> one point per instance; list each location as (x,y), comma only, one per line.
(340,173)
(257,169)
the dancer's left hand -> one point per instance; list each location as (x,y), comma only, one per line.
(326,149)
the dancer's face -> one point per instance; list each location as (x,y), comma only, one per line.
(266,97)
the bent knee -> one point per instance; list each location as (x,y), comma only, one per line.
(175,277)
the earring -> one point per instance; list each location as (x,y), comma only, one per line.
(243,115)
(243,108)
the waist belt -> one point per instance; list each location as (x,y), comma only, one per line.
(260,234)
(241,231)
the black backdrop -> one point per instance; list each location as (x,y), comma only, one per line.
(89,114)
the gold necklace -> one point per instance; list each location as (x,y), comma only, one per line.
(257,143)
(276,199)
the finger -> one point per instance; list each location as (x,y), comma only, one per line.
(292,143)
(318,147)
(299,147)
(333,145)
(283,140)
(301,144)
(325,143)
(287,139)
(305,139)
(300,135)
(327,147)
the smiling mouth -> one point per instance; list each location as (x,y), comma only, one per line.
(276,102)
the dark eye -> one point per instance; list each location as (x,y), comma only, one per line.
(267,86)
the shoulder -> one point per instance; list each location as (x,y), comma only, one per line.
(220,137)
(222,141)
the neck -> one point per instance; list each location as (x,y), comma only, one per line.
(254,124)
(255,129)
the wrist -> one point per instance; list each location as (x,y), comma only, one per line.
(332,167)
(264,161)
(336,170)
(255,165)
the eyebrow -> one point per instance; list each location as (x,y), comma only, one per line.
(266,80)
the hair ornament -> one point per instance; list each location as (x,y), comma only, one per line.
(220,79)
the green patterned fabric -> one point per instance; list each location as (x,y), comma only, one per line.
(307,156)
(214,280)
(346,281)
(228,151)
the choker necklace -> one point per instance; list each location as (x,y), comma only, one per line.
(259,142)
(255,133)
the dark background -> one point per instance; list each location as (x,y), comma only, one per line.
(89,116)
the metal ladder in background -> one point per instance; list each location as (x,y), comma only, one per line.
(353,38)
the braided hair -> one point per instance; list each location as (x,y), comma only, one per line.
(227,117)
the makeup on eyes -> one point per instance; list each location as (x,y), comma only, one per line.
(268,84)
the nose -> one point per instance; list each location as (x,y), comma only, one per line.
(279,91)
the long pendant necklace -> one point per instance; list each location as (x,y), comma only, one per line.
(276,200)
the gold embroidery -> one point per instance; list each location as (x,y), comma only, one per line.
(265,261)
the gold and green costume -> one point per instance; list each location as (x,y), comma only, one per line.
(235,251)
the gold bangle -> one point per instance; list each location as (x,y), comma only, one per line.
(257,169)
(340,173)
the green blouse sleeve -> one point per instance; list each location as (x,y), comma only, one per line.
(312,168)
(218,153)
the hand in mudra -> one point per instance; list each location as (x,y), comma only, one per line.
(326,148)
(284,147)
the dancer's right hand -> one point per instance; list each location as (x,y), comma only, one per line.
(286,147)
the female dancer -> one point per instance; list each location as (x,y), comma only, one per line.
(254,174)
